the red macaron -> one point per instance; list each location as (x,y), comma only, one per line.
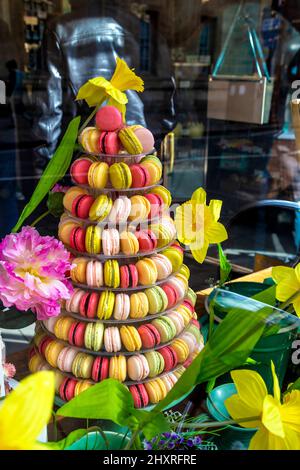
(108,118)
(89,304)
(77,239)
(67,389)
(140,395)
(140,176)
(76,334)
(171,293)
(170,357)
(189,305)
(128,276)
(147,240)
(100,368)
(149,335)
(156,202)
(43,344)
(109,143)
(79,170)
(81,206)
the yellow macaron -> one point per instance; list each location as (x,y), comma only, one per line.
(52,352)
(100,208)
(118,368)
(130,338)
(93,239)
(120,175)
(156,390)
(140,208)
(147,271)
(78,272)
(98,175)
(129,243)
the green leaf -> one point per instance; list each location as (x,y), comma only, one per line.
(152,428)
(106,400)
(294,386)
(55,203)
(14,319)
(225,266)
(69,440)
(55,170)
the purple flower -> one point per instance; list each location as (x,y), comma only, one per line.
(197,440)
(171,445)
(147,445)
(167,435)
(58,188)
(174,436)
(190,442)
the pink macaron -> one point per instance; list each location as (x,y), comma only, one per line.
(122,307)
(72,304)
(189,305)
(156,204)
(146,138)
(81,206)
(109,143)
(108,118)
(120,210)
(112,339)
(89,304)
(179,286)
(111,242)
(76,334)
(169,380)
(140,176)
(149,335)
(67,389)
(66,358)
(77,239)
(190,340)
(177,320)
(100,368)
(79,170)
(147,240)
(163,266)
(94,273)
(129,276)
(137,367)
(139,395)
(171,293)
(170,357)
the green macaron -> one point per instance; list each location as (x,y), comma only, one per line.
(192,296)
(195,331)
(156,363)
(166,328)
(157,298)
(93,337)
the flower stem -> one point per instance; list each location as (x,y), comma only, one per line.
(41,217)
(217,424)
(90,117)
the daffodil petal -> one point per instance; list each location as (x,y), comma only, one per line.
(260,440)
(93,92)
(291,439)
(26,410)
(271,417)
(184,223)
(297,272)
(199,196)
(287,288)
(199,253)
(216,233)
(281,272)
(290,410)
(296,305)
(241,410)
(124,78)
(215,206)
(251,388)
(276,388)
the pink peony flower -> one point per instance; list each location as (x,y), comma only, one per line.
(32,273)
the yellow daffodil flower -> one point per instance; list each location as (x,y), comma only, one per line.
(288,285)
(26,411)
(98,89)
(278,423)
(197,224)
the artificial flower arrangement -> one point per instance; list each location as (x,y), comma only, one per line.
(34,277)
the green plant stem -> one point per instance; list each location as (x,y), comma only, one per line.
(41,217)
(217,424)
(90,117)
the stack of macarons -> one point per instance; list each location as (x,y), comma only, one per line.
(110,242)
(125,368)
(111,273)
(107,303)
(111,135)
(119,175)
(79,203)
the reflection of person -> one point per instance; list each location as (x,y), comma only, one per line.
(81,45)
(8,202)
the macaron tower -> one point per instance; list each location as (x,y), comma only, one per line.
(131,316)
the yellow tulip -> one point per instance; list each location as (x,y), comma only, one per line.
(98,89)
(197,224)
(26,411)
(288,285)
(278,422)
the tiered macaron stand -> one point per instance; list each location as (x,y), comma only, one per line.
(122,259)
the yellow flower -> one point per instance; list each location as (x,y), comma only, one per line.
(288,285)
(197,224)
(26,411)
(278,423)
(98,89)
